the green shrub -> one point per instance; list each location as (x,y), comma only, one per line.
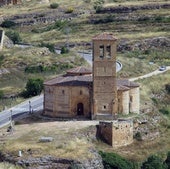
(155,101)
(49,46)
(167,88)
(138,136)
(164,111)
(64,50)
(87,1)
(14,36)
(54,5)
(8,24)
(112,160)
(98,5)
(34,69)
(154,162)
(1,94)
(33,87)
(167,161)
(1,58)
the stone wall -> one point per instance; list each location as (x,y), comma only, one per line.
(134,100)
(116,133)
(2,33)
(123,102)
(62,101)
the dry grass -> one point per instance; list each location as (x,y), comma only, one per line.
(133,3)
(67,143)
(153,85)
(8,166)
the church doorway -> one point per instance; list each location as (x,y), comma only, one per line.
(80,109)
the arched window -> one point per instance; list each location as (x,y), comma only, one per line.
(101,48)
(108,51)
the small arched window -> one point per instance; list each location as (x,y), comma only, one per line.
(101,48)
(81,92)
(108,51)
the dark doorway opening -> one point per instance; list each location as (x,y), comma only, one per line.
(80,109)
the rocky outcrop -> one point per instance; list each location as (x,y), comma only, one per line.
(128,9)
(47,162)
(40,17)
(150,43)
(8,43)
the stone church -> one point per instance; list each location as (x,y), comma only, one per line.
(92,93)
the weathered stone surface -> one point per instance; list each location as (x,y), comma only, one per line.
(46,139)
(128,9)
(8,43)
(47,162)
(150,43)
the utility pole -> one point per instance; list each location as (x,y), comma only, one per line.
(29,106)
(11,125)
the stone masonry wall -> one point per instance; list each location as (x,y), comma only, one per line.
(116,133)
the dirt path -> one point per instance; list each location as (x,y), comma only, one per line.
(156,72)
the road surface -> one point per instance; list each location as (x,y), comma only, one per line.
(30,106)
(156,72)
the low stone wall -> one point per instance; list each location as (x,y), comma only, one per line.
(116,133)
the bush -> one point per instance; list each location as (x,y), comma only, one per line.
(164,111)
(1,94)
(167,88)
(64,50)
(98,5)
(8,24)
(49,46)
(138,136)
(167,161)
(54,5)
(154,162)
(34,69)
(14,36)
(114,161)
(1,58)
(33,87)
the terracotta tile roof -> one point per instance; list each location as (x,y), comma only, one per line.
(122,84)
(70,80)
(127,83)
(80,70)
(105,36)
(122,88)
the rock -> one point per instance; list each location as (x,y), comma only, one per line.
(150,43)
(8,43)
(45,139)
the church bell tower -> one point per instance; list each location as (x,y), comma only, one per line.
(104,76)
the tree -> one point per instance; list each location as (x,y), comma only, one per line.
(14,36)
(33,87)
(167,88)
(154,162)
(64,50)
(8,24)
(1,94)
(114,161)
(98,5)
(167,161)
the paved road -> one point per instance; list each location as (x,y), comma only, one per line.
(87,55)
(156,72)
(34,104)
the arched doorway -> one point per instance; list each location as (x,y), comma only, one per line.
(80,109)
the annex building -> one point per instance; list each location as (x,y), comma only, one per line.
(93,93)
